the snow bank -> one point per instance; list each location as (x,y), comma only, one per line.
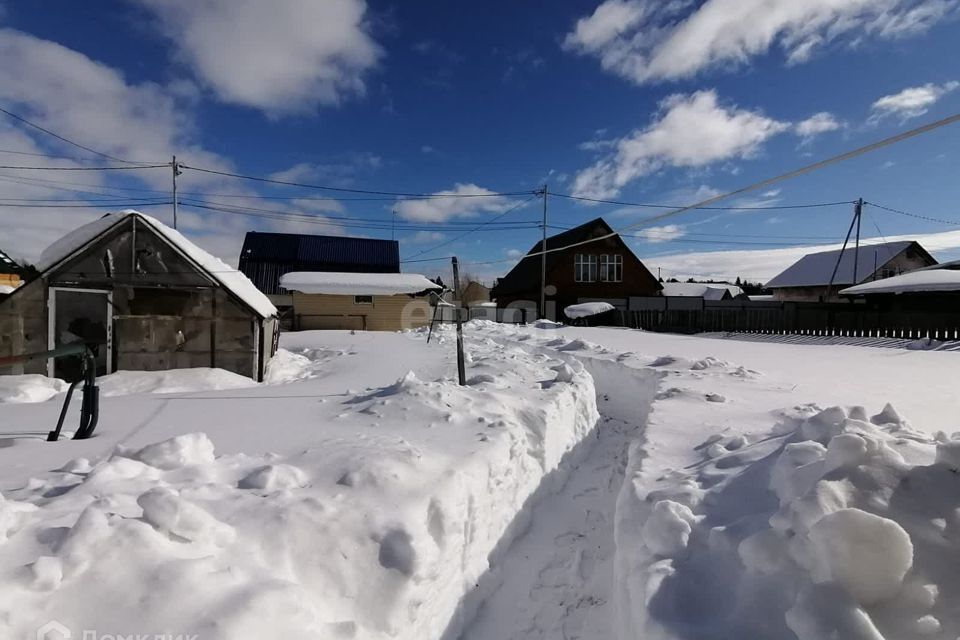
(585,309)
(124,383)
(831,526)
(29,388)
(375,523)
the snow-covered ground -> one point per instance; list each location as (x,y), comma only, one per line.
(587,483)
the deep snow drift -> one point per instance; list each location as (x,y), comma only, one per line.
(360,493)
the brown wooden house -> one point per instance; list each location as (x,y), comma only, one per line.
(601,270)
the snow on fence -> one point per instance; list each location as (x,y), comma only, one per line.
(922,319)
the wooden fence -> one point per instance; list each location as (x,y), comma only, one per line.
(920,318)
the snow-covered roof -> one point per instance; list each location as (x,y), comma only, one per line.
(913,281)
(585,309)
(356,284)
(228,277)
(5,289)
(815,269)
(707,291)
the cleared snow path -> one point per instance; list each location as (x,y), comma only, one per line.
(557,580)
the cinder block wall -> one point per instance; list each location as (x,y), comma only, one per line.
(23,326)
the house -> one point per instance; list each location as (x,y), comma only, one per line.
(705,290)
(364,301)
(143,297)
(9,273)
(808,279)
(265,257)
(602,270)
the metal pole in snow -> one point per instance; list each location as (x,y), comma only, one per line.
(543,261)
(461,372)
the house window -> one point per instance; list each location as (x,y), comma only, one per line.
(362,299)
(584,268)
(611,268)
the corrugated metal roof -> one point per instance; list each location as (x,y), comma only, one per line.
(265,257)
(814,269)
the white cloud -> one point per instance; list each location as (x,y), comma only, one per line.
(764,264)
(648,40)
(690,131)
(283,56)
(439,209)
(666,233)
(514,253)
(93,104)
(911,102)
(340,172)
(816,124)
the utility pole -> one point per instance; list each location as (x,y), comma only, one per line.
(857,211)
(461,373)
(393,228)
(855,221)
(543,260)
(176,171)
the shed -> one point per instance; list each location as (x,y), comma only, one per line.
(705,290)
(143,297)
(266,257)
(366,301)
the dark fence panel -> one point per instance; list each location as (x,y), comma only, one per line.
(908,319)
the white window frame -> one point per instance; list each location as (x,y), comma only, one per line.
(611,267)
(583,261)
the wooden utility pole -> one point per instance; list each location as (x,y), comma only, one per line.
(543,260)
(855,221)
(176,171)
(461,372)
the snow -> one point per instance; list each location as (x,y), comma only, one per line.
(707,291)
(29,388)
(816,269)
(586,483)
(219,271)
(359,284)
(5,289)
(911,282)
(585,309)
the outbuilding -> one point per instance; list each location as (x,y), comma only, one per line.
(363,301)
(143,297)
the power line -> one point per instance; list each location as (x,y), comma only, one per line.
(399,194)
(139,166)
(478,228)
(125,205)
(68,141)
(648,205)
(763,183)
(913,215)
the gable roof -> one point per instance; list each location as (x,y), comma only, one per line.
(212,267)
(527,271)
(814,269)
(368,255)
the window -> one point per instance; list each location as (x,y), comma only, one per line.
(584,268)
(611,268)
(362,299)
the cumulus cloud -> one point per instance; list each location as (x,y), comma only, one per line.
(689,131)
(283,56)
(666,233)
(817,124)
(911,102)
(441,209)
(649,40)
(421,237)
(93,104)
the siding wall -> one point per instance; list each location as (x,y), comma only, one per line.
(386,313)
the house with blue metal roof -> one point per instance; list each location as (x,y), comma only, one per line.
(266,257)
(809,278)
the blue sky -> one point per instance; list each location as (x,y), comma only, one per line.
(631,100)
